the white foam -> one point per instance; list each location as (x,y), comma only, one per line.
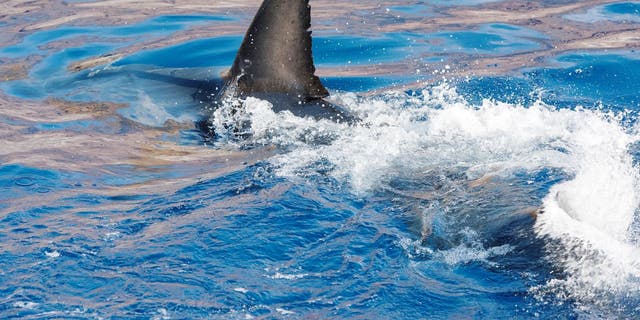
(471,250)
(586,219)
(25,304)
(285,276)
(162,314)
(284,311)
(52,254)
(240,289)
(407,134)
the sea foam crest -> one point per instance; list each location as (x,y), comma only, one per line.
(587,220)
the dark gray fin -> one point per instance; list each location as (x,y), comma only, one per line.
(275,55)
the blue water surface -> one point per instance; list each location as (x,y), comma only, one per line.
(252,243)
(624,8)
(620,12)
(592,80)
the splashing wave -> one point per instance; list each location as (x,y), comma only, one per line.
(586,220)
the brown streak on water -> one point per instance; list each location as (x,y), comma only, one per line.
(143,149)
(131,148)
(565,34)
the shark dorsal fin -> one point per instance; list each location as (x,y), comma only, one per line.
(275,55)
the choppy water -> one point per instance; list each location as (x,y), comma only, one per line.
(511,196)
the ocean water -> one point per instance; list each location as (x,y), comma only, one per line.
(476,197)
(624,12)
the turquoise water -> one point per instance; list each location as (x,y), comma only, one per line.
(622,12)
(632,8)
(494,39)
(429,209)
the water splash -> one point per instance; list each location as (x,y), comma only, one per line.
(588,221)
(587,218)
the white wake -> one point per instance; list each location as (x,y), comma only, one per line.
(587,221)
